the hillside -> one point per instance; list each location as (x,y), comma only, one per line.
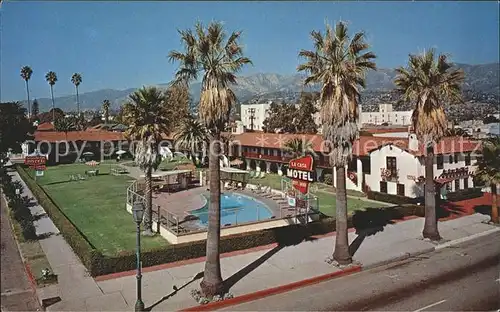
(479,79)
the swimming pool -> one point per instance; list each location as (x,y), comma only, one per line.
(236,209)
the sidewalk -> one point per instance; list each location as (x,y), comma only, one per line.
(248,271)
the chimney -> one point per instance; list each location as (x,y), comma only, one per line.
(239,127)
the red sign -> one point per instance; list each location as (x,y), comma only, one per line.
(301,171)
(35,160)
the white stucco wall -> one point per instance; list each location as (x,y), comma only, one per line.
(406,163)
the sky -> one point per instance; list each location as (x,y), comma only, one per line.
(119,45)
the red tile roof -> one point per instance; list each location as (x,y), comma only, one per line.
(54,136)
(46,126)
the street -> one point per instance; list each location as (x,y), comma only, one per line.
(16,292)
(462,277)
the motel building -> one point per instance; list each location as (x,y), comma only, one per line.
(389,161)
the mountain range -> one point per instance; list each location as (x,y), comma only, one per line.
(483,79)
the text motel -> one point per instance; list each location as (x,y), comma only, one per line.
(300,175)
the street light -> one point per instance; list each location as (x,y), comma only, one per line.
(138,213)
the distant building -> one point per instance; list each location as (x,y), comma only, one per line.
(386,114)
(253,115)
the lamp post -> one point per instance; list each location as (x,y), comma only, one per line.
(138,213)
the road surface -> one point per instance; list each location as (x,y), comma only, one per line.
(16,291)
(459,278)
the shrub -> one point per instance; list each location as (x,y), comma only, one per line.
(465,194)
(328,179)
(390,198)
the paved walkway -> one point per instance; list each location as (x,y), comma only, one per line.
(246,271)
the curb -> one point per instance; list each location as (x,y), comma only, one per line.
(402,257)
(466,238)
(274,290)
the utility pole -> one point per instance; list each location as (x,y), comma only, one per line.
(252,118)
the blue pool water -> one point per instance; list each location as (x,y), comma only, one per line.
(236,209)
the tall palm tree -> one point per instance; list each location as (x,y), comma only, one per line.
(298,147)
(147,116)
(64,125)
(51,78)
(211,53)
(339,64)
(105,109)
(488,170)
(428,83)
(26,73)
(76,79)
(191,135)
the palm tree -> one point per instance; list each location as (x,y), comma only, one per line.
(298,147)
(191,135)
(147,116)
(429,83)
(76,79)
(339,64)
(26,73)
(209,52)
(105,109)
(488,170)
(64,125)
(453,132)
(51,78)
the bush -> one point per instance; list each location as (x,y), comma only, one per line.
(390,198)
(465,194)
(328,179)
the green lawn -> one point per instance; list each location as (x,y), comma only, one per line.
(96,206)
(324,192)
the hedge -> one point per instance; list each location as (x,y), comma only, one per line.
(99,264)
(465,194)
(390,198)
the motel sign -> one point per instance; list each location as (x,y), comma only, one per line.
(301,172)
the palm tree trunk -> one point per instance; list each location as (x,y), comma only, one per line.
(53,105)
(212,279)
(148,213)
(28,94)
(77,104)
(494,204)
(341,251)
(430,227)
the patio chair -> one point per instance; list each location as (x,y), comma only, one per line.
(80,177)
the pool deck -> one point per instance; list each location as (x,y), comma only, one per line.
(182,202)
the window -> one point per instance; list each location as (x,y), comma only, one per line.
(450,159)
(466,183)
(365,160)
(467,159)
(448,186)
(383,187)
(391,164)
(439,160)
(457,184)
(456,157)
(401,189)
(353,164)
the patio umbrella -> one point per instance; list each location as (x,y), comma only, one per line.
(236,162)
(120,152)
(92,163)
